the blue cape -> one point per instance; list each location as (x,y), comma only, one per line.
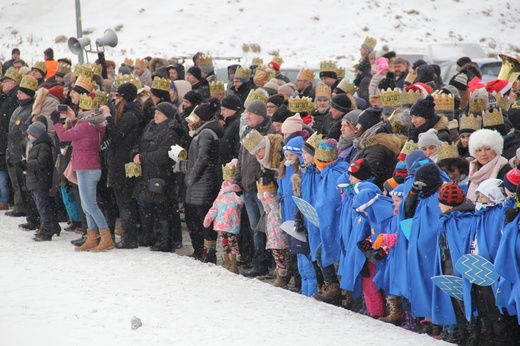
(310,178)
(285,191)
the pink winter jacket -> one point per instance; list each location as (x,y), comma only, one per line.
(225,212)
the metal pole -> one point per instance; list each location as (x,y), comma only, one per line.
(79,30)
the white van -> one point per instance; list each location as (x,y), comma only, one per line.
(436,53)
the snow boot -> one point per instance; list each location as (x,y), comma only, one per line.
(4,206)
(396,313)
(43,235)
(106,242)
(91,242)
(233,263)
(281,278)
(331,294)
(225,261)
(209,256)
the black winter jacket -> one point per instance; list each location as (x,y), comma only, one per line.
(40,164)
(17,139)
(230,142)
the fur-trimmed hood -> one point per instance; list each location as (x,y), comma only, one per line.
(442,124)
(392,142)
(151,64)
(276,153)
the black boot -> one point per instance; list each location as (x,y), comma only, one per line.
(28,226)
(164,241)
(80,241)
(43,235)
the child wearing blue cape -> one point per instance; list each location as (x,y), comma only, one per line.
(456,219)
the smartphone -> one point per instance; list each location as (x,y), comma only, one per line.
(62,108)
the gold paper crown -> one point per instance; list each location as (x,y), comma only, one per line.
(228,173)
(85,83)
(391,97)
(206,60)
(305,74)
(410,97)
(346,86)
(470,122)
(87,103)
(29,82)
(408,147)
(300,105)
(478,101)
(271,187)
(252,140)
(504,102)
(83,70)
(63,68)
(278,60)
(492,118)
(129,62)
(101,97)
(325,153)
(257,61)
(13,74)
(327,66)
(40,65)
(340,72)
(96,69)
(127,78)
(444,103)
(160,83)
(216,88)
(255,95)
(322,90)
(398,124)
(447,151)
(314,140)
(141,63)
(370,42)
(243,73)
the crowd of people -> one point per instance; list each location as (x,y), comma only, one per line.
(359,191)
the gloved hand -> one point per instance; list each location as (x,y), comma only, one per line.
(380,254)
(385,240)
(55,117)
(23,165)
(171,154)
(364,245)
(417,186)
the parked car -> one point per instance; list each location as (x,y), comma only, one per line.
(489,67)
(292,72)
(436,53)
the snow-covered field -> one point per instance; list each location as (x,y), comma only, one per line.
(50,295)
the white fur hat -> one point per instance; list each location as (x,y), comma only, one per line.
(486,138)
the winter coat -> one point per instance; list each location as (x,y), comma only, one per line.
(318,118)
(276,237)
(226,210)
(40,164)
(309,92)
(85,138)
(399,81)
(145,78)
(242,91)
(248,167)
(17,139)
(202,88)
(230,141)
(122,137)
(202,172)
(44,105)
(331,127)
(153,148)
(8,104)
(511,144)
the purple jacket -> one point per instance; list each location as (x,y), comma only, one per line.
(85,139)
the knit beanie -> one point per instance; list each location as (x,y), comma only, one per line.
(57,91)
(398,191)
(292,124)
(276,100)
(166,108)
(294,146)
(341,102)
(330,74)
(418,63)
(195,72)
(208,110)
(369,117)
(431,176)
(128,91)
(486,138)
(193,97)
(281,114)
(231,102)
(37,129)
(360,169)
(352,117)
(424,108)
(512,179)
(390,184)
(257,107)
(412,157)
(428,138)
(451,195)
(288,89)
(272,84)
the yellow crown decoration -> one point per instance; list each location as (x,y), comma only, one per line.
(101,97)
(127,78)
(277,60)
(85,83)
(83,70)
(447,151)
(216,88)
(478,101)
(322,90)
(305,74)
(160,83)
(87,103)
(391,97)
(255,95)
(129,62)
(29,82)
(325,153)
(410,97)
(328,66)
(96,69)
(398,123)
(243,73)
(206,60)
(13,74)
(257,61)
(141,63)
(253,141)
(40,65)
(408,147)
(314,140)
(340,72)
(63,68)
(444,104)
(228,173)
(493,118)
(271,187)
(470,122)
(300,105)
(504,102)
(370,42)
(346,86)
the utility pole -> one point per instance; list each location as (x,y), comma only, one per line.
(79,30)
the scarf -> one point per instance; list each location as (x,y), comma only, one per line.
(344,143)
(489,170)
(94,117)
(265,161)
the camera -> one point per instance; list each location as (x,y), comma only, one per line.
(62,108)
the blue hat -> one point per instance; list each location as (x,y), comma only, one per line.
(294,146)
(37,129)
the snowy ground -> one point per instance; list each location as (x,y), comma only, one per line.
(50,295)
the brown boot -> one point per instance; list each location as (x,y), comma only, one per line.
(209,256)
(90,243)
(225,261)
(4,206)
(331,294)
(281,278)
(396,314)
(106,242)
(233,263)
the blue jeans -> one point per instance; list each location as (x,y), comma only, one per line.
(87,185)
(4,187)
(254,209)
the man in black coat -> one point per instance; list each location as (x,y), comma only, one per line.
(339,106)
